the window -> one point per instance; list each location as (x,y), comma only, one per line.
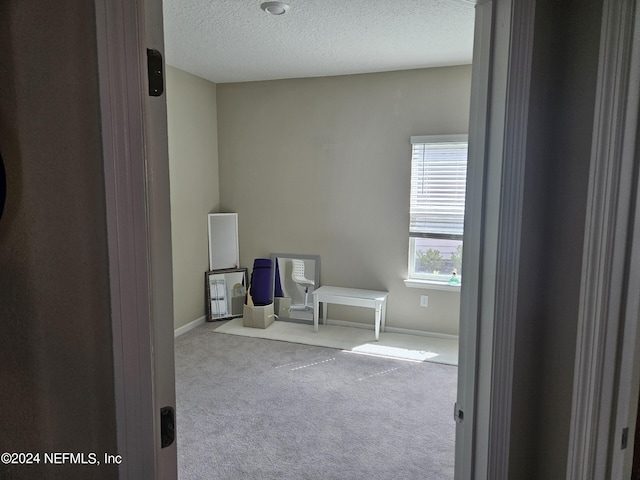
(436,222)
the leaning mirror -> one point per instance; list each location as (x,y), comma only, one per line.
(225,293)
(294,277)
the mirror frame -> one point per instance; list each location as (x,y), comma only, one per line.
(207,291)
(316,279)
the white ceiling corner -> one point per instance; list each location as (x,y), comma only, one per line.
(234,40)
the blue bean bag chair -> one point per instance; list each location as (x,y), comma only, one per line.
(261,282)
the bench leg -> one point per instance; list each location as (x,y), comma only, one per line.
(324,313)
(316,304)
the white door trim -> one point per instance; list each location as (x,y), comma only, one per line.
(509,146)
(497,142)
(606,378)
(159,236)
(136,192)
(468,375)
(123,152)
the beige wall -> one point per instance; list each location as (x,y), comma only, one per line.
(321,166)
(193,164)
(56,359)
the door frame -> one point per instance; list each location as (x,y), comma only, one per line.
(607,370)
(607,367)
(503,51)
(136,172)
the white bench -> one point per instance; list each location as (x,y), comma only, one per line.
(353,297)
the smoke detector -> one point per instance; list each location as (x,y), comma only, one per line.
(275,8)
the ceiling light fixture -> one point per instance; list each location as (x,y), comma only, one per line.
(275,8)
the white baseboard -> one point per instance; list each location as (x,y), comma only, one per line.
(443,336)
(189,326)
(388,329)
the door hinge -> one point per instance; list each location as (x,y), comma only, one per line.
(458,413)
(167,426)
(155,72)
(625,438)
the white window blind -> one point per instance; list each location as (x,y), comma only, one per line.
(438,183)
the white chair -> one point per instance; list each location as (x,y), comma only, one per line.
(297,275)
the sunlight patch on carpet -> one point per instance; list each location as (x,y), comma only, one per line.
(392,352)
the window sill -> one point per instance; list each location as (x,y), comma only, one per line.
(432,285)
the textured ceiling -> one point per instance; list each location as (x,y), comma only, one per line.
(234,40)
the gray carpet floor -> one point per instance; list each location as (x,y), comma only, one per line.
(251,408)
